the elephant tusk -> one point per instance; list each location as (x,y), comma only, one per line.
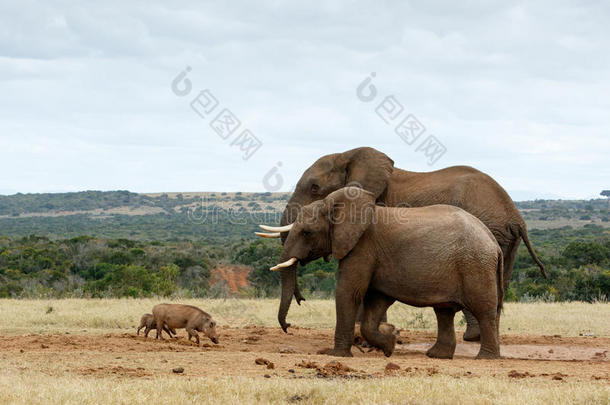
(287,263)
(284,228)
(268,235)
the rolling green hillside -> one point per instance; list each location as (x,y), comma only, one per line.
(189,215)
(122,214)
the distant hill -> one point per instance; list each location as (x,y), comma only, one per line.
(545,214)
(215,215)
(103,203)
(123,214)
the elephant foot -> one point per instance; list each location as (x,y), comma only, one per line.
(336,352)
(472,334)
(487,355)
(440,351)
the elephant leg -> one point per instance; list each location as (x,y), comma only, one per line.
(509,246)
(473,332)
(490,344)
(351,287)
(509,253)
(375,306)
(445,338)
(360,315)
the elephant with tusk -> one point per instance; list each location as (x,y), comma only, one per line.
(268,235)
(372,170)
(438,256)
(287,263)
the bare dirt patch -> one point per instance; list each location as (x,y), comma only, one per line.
(249,351)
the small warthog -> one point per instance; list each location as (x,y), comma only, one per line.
(147,321)
(384,327)
(191,318)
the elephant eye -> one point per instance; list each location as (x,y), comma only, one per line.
(315,188)
(305,233)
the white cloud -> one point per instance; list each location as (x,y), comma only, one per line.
(519,91)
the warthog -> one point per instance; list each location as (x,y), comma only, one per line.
(147,321)
(191,318)
(384,327)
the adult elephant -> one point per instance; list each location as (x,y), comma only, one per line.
(438,256)
(372,170)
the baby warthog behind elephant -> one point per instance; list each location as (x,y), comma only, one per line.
(147,321)
(188,317)
(384,328)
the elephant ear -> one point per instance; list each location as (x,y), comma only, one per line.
(351,211)
(367,168)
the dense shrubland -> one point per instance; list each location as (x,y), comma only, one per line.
(577,260)
(166,245)
(86,266)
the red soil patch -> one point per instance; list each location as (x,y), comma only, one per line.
(236,277)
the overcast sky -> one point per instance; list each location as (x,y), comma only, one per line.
(518,90)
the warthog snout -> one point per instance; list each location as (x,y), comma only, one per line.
(209,328)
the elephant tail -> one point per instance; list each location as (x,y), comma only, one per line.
(500,279)
(526,240)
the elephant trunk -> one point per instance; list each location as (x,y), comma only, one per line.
(288,277)
(288,217)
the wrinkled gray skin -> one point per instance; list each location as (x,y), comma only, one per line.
(189,317)
(147,321)
(438,256)
(461,186)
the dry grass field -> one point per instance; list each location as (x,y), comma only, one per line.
(86,351)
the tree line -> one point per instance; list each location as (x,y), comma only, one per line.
(577,261)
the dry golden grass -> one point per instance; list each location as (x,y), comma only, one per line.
(115,315)
(37,388)
(40,377)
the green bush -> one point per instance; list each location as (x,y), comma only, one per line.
(577,262)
